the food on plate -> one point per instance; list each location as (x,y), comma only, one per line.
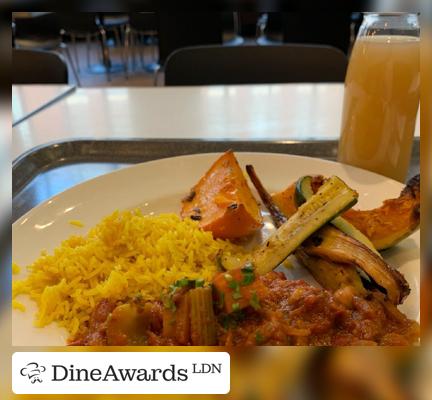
(222,201)
(332,276)
(394,220)
(332,244)
(208,278)
(280,312)
(304,191)
(332,198)
(384,226)
(127,255)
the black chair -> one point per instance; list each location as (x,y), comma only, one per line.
(247,23)
(213,65)
(116,23)
(86,25)
(231,29)
(38,66)
(332,29)
(41,32)
(269,28)
(141,30)
(187,29)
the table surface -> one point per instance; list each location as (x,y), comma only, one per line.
(28,99)
(241,112)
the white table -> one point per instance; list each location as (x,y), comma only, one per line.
(272,112)
(27,100)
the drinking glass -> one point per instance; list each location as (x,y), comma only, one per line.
(382,95)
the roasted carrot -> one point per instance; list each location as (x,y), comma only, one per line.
(239,288)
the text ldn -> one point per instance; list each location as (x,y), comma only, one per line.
(204,368)
(62,373)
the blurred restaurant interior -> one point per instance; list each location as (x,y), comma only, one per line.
(226,76)
(98,49)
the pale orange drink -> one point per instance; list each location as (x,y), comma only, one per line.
(380,104)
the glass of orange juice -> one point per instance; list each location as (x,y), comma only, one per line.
(381,98)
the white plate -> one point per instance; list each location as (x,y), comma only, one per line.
(158,186)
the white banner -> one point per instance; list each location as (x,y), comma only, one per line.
(120,373)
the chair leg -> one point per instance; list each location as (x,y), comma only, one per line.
(156,76)
(73,37)
(71,63)
(117,36)
(126,35)
(105,53)
(88,38)
(141,49)
(236,21)
(122,49)
(122,29)
(133,49)
(154,51)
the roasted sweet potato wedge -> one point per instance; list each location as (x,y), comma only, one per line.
(393,221)
(222,201)
(385,226)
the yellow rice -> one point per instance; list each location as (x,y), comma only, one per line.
(15,269)
(77,223)
(125,255)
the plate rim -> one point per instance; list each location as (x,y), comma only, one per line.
(137,165)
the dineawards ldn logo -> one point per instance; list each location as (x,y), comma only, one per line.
(75,372)
(33,372)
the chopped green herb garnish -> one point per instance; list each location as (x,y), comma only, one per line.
(168,303)
(236,306)
(248,267)
(248,278)
(182,282)
(237,295)
(234,285)
(254,301)
(199,283)
(138,297)
(258,337)
(172,289)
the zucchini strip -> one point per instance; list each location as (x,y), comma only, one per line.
(331,244)
(330,275)
(332,198)
(304,192)
(330,247)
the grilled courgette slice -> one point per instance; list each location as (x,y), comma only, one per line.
(332,198)
(304,192)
